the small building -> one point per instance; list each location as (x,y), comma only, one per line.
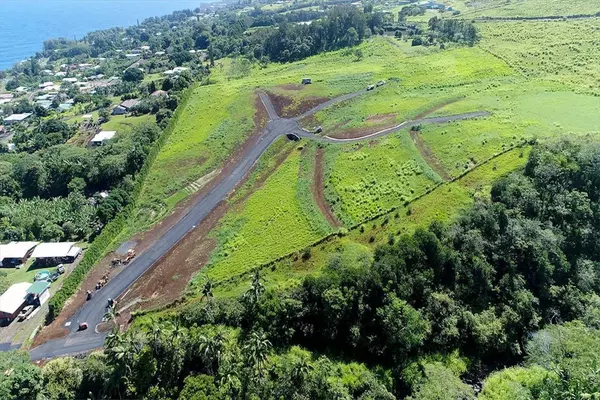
(45,84)
(13,301)
(125,107)
(118,110)
(65,107)
(55,253)
(11,119)
(38,293)
(159,93)
(45,104)
(15,253)
(1,130)
(101,137)
(306,81)
(70,80)
(5,96)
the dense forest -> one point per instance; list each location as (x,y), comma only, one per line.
(44,195)
(513,282)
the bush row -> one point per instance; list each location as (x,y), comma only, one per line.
(102,243)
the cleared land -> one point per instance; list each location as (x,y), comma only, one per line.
(379,188)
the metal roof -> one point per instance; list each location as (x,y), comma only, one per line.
(103,135)
(16,249)
(52,250)
(38,287)
(14,297)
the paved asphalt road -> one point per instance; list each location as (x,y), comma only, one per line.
(94,310)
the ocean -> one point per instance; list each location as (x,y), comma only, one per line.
(25,24)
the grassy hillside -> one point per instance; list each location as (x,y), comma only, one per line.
(529,8)
(379,188)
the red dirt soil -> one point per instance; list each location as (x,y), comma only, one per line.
(318,189)
(166,281)
(286,107)
(429,156)
(146,239)
(382,119)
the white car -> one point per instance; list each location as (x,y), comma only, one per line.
(25,313)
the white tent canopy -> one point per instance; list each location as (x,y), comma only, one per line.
(52,250)
(16,249)
(14,298)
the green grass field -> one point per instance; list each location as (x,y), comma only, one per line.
(443,203)
(528,8)
(366,178)
(269,224)
(384,187)
(565,52)
(415,84)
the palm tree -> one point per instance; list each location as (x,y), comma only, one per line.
(176,331)
(207,289)
(211,351)
(256,351)
(228,377)
(256,288)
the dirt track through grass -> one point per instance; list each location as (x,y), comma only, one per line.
(429,156)
(319,191)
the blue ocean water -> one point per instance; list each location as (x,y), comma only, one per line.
(25,24)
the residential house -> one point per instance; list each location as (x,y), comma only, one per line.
(11,119)
(101,137)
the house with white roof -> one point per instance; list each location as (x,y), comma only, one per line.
(15,253)
(13,300)
(11,119)
(56,253)
(101,137)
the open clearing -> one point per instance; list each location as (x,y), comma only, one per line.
(300,194)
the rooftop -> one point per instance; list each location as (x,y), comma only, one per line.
(17,117)
(102,136)
(52,250)
(14,297)
(129,103)
(38,287)
(16,249)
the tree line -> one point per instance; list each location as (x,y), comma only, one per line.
(514,281)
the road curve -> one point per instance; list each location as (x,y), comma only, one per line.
(399,127)
(93,311)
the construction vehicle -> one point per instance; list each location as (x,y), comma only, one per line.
(129,257)
(103,281)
